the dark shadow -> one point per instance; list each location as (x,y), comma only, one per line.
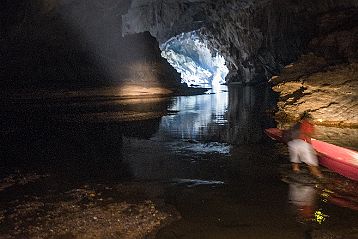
(249,113)
(40,50)
(47,51)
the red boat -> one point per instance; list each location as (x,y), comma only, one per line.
(338,159)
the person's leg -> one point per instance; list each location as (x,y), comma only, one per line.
(315,171)
(295,167)
(294,155)
(310,158)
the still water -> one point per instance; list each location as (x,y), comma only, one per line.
(232,116)
(229,181)
(208,152)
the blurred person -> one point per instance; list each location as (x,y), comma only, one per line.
(300,147)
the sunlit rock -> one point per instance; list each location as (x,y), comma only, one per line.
(189,54)
(256,38)
(79,44)
(330,95)
(324,81)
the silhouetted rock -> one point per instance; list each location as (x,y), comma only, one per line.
(67,44)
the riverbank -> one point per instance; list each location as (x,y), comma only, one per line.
(46,206)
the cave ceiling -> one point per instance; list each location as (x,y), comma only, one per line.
(257,38)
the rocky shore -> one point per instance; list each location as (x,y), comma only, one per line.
(41,206)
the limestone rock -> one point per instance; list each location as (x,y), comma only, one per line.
(324,81)
(75,43)
(331,96)
(257,38)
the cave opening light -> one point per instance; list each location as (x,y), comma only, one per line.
(192,57)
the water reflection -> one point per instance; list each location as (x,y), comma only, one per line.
(304,198)
(234,115)
(246,113)
(200,117)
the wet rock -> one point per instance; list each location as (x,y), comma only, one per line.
(77,213)
(324,81)
(329,96)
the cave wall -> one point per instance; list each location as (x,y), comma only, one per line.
(324,80)
(63,41)
(307,48)
(263,36)
(257,38)
(74,43)
(165,19)
(311,45)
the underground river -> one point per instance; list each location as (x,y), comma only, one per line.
(203,160)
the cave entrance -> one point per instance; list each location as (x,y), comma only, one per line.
(192,57)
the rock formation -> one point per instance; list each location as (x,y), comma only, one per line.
(80,43)
(324,81)
(260,38)
(73,43)
(257,38)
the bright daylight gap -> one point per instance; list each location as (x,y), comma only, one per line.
(199,66)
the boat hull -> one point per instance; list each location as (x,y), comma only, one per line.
(338,159)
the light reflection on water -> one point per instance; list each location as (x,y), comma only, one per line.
(197,117)
(234,115)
